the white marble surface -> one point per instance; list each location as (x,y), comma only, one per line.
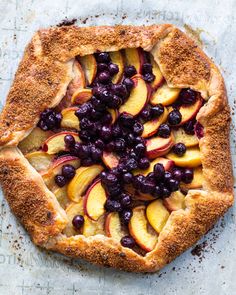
(26,270)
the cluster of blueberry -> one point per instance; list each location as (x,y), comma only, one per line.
(68,172)
(49,120)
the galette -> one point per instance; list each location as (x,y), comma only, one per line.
(115,144)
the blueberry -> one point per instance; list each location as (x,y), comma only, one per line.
(179,149)
(126,120)
(143,163)
(103,57)
(116,130)
(113,69)
(149,77)
(199,130)
(110,146)
(138,128)
(174,117)
(84,135)
(83,111)
(100,144)
(101,67)
(189,127)
(105,96)
(68,171)
(165,192)
(96,115)
(104,77)
(157,111)
(151,177)
(130,139)
(97,104)
(76,148)
(84,151)
(164,131)
(187,96)
(129,83)
(173,185)
(42,125)
(147,187)
(177,174)
(167,176)
(110,179)
(187,176)
(120,145)
(159,171)
(127,177)
(125,216)
(106,119)
(51,121)
(96,153)
(140,149)
(147,68)
(113,206)
(140,139)
(106,132)
(98,91)
(85,124)
(131,164)
(146,114)
(60,180)
(78,221)
(138,180)
(115,102)
(157,192)
(130,71)
(46,113)
(86,162)
(69,140)
(128,242)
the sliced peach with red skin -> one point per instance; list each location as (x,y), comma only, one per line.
(92,228)
(175,201)
(117,58)
(165,95)
(78,81)
(134,57)
(113,226)
(34,140)
(151,127)
(157,215)
(110,159)
(89,66)
(83,178)
(40,160)
(140,230)
(158,146)
(167,163)
(159,79)
(191,158)
(94,200)
(188,139)
(137,99)
(81,96)
(196,182)
(69,119)
(188,112)
(56,168)
(71,211)
(56,143)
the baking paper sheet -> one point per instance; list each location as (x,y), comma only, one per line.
(25,269)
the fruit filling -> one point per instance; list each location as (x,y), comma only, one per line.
(121,150)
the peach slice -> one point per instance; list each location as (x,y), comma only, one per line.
(175,202)
(159,79)
(117,58)
(188,112)
(92,228)
(114,115)
(95,200)
(165,95)
(196,182)
(69,119)
(72,210)
(82,179)
(150,127)
(48,176)
(139,229)
(158,146)
(157,215)
(168,165)
(81,96)
(110,159)
(113,226)
(181,136)
(78,81)
(55,143)
(39,160)
(61,195)
(89,66)
(137,98)
(192,158)
(134,57)
(34,140)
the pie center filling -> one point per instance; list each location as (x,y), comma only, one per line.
(121,150)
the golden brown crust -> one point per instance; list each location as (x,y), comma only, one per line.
(183,64)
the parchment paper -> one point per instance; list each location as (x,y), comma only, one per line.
(25,269)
